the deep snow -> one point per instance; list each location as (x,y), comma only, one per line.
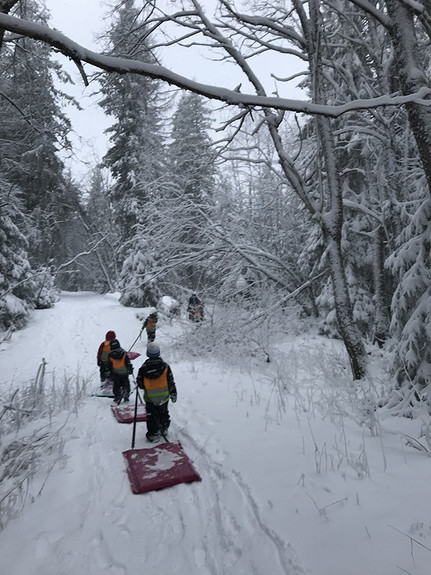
(284,490)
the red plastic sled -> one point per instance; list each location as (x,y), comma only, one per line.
(126,413)
(161,466)
(133,354)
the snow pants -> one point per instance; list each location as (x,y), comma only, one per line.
(104,371)
(121,387)
(157,417)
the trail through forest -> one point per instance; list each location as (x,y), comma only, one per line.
(278,494)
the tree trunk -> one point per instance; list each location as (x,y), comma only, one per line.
(348,329)
(332,224)
(382,298)
(332,210)
(412,77)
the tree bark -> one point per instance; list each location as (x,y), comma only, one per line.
(332,224)
(5,7)
(382,298)
(412,77)
(332,210)
(348,329)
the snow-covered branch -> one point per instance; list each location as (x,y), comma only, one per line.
(373,11)
(79,53)
(80,255)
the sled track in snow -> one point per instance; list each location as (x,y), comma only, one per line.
(247,543)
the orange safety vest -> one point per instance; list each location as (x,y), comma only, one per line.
(105,351)
(119,365)
(156,390)
(151,326)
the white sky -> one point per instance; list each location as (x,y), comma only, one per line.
(82,20)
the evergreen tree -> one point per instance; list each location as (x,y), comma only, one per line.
(32,129)
(140,289)
(411,321)
(97,218)
(16,289)
(193,170)
(135,157)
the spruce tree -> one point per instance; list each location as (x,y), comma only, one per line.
(16,289)
(193,173)
(135,154)
(32,130)
(136,157)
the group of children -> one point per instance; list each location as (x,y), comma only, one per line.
(154,377)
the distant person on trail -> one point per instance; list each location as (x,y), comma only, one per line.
(102,355)
(156,379)
(150,324)
(195,308)
(120,367)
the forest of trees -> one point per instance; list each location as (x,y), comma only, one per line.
(261,202)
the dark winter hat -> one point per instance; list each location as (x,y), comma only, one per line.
(115,344)
(153,350)
(153,314)
(110,335)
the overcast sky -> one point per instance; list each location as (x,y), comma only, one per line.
(82,20)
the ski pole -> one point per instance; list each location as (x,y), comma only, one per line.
(135,415)
(140,398)
(139,335)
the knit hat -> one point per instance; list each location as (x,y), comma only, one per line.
(153,350)
(115,344)
(110,335)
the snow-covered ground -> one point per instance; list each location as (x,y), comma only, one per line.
(284,490)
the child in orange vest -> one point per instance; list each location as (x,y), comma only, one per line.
(156,379)
(102,355)
(150,325)
(120,367)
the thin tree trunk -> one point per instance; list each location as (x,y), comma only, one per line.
(105,271)
(348,329)
(382,297)
(332,224)
(332,210)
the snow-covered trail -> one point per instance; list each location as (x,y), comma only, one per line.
(284,491)
(87,521)
(67,336)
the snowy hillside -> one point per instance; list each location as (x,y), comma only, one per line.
(291,484)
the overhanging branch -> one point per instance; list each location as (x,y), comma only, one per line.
(79,53)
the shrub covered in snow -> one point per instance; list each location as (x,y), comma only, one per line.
(31,442)
(138,288)
(169,306)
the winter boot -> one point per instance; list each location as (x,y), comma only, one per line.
(152,438)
